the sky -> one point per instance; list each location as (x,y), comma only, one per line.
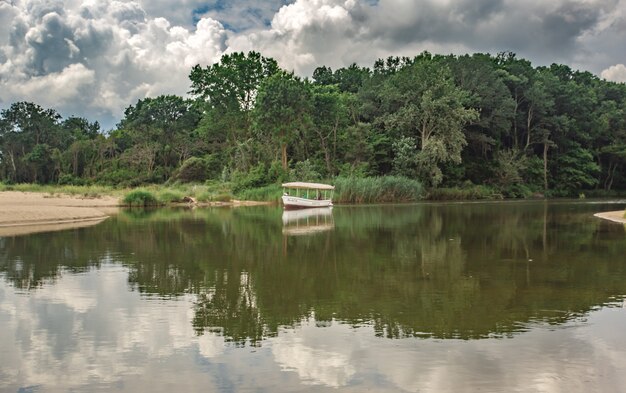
(94,58)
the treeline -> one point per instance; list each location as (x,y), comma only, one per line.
(447,121)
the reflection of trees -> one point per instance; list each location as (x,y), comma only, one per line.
(456,270)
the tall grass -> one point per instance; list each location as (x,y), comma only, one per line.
(271,193)
(463,194)
(376,189)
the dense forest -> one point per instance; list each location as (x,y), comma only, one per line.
(447,121)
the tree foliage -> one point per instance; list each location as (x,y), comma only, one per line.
(446,121)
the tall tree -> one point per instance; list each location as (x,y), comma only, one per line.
(283,109)
(26,127)
(423,102)
(234,81)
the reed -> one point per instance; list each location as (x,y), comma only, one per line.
(376,189)
(270,193)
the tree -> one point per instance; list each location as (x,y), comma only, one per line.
(423,102)
(234,81)
(328,115)
(24,127)
(283,109)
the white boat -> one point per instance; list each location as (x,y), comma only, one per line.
(299,195)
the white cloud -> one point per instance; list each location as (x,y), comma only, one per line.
(96,58)
(117,51)
(615,73)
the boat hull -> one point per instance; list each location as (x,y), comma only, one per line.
(293,202)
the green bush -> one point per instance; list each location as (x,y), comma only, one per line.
(117,177)
(460,194)
(194,169)
(256,177)
(376,189)
(68,179)
(305,171)
(140,197)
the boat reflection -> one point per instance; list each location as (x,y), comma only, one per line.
(307,221)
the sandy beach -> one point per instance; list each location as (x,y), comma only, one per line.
(616,216)
(29,212)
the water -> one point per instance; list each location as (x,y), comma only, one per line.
(519,296)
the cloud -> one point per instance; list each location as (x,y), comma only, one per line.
(95,59)
(615,73)
(118,51)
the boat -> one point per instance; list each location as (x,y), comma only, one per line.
(299,195)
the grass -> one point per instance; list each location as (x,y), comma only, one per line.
(271,193)
(92,191)
(463,194)
(377,189)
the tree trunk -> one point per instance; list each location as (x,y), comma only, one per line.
(545,166)
(529,120)
(283,155)
(515,136)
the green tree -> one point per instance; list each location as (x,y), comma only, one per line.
(423,102)
(25,126)
(283,109)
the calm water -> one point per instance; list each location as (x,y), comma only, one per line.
(522,296)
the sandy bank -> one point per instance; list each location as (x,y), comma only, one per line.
(617,216)
(29,212)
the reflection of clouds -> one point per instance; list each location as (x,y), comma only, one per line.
(118,339)
(315,356)
(211,345)
(74,291)
(87,327)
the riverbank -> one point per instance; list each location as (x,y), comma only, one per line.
(25,212)
(616,216)
(29,212)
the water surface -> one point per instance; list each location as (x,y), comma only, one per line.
(520,296)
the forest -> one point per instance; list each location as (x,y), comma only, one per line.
(480,121)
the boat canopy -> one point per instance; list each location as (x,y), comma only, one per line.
(308,186)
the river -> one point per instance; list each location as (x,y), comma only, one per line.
(521,296)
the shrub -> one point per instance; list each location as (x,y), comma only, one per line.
(68,179)
(193,169)
(256,177)
(459,194)
(305,171)
(376,189)
(140,198)
(117,177)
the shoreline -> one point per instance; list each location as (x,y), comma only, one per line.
(31,212)
(26,212)
(614,216)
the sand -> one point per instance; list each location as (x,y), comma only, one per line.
(617,216)
(29,212)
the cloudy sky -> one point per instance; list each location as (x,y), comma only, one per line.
(93,58)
